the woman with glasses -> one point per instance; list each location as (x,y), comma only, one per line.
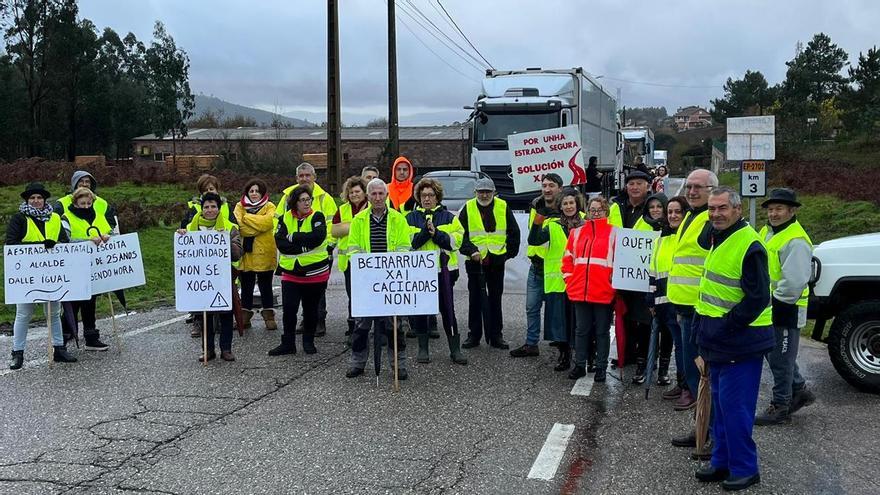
(301,238)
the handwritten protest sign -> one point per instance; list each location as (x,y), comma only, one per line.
(117,264)
(632,259)
(202,271)
(35,274)
(533,154)
(389,284)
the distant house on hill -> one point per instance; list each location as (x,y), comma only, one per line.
(692,117)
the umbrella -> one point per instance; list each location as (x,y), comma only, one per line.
(620,332)
(236,305)
(120,295)
(652,354)
(704,403)
(378,337)
(69,324)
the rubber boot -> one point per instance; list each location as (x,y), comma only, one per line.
(424,356)
(62,356)
(564,362)
(247,314)
(288,346)
(455,350)
(269,319)
(17,360)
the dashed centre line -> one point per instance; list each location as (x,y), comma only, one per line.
(547,462)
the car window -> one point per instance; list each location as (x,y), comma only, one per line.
(457,187)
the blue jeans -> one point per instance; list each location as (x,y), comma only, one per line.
(534,300)
(689,351)
(787,378)
(23,314)
(734,398)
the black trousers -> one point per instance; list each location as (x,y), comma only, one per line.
(486,320)
(447,310)
(225,318)
(294,294)
(264,280)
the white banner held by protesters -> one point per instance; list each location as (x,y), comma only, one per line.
(632,259)
(117,264)
(533,154)
(202,271)
(34,274)
(394,284)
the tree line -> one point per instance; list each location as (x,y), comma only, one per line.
(817,99)
(67,88)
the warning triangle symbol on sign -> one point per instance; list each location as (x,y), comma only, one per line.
(219,301)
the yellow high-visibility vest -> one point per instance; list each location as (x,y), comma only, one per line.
(775,244)
(488,242)
(687,262)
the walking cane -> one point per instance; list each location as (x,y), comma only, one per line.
(116,336)
(205,338)
(396,381)
(49,321)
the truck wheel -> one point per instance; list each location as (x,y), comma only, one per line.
(854,345)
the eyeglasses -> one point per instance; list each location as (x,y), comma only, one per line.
(696,187)
(429,195)
(304,200)
(596,210)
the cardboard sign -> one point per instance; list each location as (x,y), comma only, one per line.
(394,284)
(632,259)
(33,274)
(533,154)
(117,264)
(203,271)
(753,179)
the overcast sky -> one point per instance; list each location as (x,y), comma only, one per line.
(273,52)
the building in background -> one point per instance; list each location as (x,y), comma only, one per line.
(692,117)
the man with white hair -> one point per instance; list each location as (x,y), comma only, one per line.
(321,201)
(377,229)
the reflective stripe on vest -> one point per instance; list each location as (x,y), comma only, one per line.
(33,234)
(687,262)
(775,244)
(314,255)
(488,242)
(553,281)
(221,225)
(720,287)
(342,244)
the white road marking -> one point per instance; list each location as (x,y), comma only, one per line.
(551,454)
(583,386)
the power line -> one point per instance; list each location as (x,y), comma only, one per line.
(425,29)
(662,85)
(442,32)
(463,35)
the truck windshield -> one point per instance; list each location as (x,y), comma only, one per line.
(492,134)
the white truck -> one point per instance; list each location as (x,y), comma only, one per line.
(639,142)
(845,287)
(516,101)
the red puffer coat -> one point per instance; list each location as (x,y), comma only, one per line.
(587,262)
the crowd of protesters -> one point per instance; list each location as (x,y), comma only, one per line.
(721,292)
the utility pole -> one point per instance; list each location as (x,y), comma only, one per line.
(334,121)
(393,129)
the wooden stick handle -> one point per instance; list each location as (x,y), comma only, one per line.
(396,380)
(205,338)
(49,326)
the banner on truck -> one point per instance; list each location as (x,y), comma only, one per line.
(533,154)
(632,259)
(202,271)
(34,274)
(394,284)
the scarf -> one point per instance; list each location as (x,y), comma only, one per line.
(299,216)
(254,207)
(42,215)
(572,222)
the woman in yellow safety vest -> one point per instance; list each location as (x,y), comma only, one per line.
(305,268)
(84,223)
(256,223)
(354,193)
(558,311)
(35,223)
(210,218)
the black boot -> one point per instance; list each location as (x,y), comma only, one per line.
(17,360)
(639,377)
(309,343)
(93,341)
(663,373)
(424,356)
(62,356)
(564,361)
(455,350)
(288,346)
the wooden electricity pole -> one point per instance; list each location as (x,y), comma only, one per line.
(393,129)
(334,110)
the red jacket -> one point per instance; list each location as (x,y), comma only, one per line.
(587,262)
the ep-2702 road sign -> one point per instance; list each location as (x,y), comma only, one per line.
(753,181)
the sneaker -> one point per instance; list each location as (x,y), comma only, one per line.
(673,393)
(227,356)
(685,402)
(525,350)
(95,344)
(773,415)
(638,378)
(663,380)
(802,398)
(60,355)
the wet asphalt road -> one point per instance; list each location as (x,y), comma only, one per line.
(148,418)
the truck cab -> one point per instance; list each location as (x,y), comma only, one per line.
(640,143)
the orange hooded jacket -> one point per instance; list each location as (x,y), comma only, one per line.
(401,193)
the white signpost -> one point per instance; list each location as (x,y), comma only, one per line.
(533,154)
(632,259)
(394,284)
(117,264)
(202,271)
(750,139)
(33,274)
